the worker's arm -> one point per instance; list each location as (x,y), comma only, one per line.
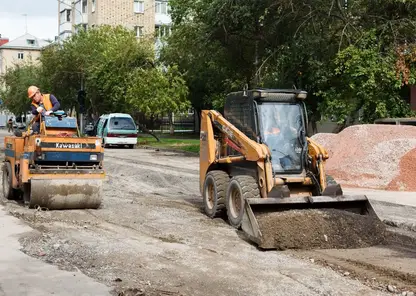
(34,110)
(55,103)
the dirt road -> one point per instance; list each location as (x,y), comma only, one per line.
(151,238)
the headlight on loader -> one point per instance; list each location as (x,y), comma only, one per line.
(38,141)
(93,157)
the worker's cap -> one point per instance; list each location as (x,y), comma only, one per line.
(31,91)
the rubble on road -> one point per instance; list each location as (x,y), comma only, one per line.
(372,156)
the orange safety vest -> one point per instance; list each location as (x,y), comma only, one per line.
(274,131)
(46,102)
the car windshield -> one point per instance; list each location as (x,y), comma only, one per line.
(122,123)
(282,131)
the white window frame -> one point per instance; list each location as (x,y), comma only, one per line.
(93,6)
(86,6)
(62,18)
(20,55)
(161,7)
(139,31)
(138,6)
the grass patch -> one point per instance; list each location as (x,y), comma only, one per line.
(188,143)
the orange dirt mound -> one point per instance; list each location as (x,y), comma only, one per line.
(406,180)
(370,155)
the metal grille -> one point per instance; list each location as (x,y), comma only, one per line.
(239,111)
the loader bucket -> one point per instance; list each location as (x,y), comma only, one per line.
(314,222)
(56,194)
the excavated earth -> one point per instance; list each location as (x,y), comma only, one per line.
(320,229)
(151,237)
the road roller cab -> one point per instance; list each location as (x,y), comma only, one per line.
(55,169)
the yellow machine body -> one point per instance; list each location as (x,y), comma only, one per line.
(55,169)
(238,167)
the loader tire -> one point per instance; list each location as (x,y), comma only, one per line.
(239,188)
(8,191)
(215,188)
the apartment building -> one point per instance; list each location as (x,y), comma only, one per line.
(19,50)
(137,15)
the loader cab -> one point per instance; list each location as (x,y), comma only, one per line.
(276,118)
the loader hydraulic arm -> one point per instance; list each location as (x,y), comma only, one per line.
(318,155)
(213,150)
(251,150)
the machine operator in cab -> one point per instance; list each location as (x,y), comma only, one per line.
(43,104)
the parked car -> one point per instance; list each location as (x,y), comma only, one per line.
(117,129)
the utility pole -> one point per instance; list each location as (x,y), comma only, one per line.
(81,122)
(25,15)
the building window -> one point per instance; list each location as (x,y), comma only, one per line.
(20,56)
(84,6)
(68,15)
(138,6)
(162,31)
(30,41)
(139,31)
(62,17)
(93,6)
(161,7)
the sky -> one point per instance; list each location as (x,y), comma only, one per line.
(42,18)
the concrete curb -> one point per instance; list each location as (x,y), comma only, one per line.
(401,225)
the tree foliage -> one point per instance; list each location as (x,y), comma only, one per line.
(118,73)
(345,54)
(16,82)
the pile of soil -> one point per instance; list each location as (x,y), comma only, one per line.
(319,229)
(371,156)
(406,178)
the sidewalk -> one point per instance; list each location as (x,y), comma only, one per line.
(23,275)
(395,208)
(396,197)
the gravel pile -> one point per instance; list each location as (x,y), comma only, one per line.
(372,156)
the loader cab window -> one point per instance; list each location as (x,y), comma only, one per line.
(282,130)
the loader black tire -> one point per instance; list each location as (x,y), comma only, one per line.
(239,188)
(215,188)
(8,191)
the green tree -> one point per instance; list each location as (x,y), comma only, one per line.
(221,45)
(118,72)
(16,82)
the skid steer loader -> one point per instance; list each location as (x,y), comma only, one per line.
(257,158)
(56,168)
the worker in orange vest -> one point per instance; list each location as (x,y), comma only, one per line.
(43,104)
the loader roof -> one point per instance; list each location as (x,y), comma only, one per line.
(267,94)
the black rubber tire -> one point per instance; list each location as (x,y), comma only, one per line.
(131,146)
(8,191)
(239,188)
(215,184)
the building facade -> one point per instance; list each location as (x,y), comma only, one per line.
(137,15)
(19,50)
